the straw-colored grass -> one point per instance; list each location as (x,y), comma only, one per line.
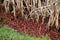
(32,5)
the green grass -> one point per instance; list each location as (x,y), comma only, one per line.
(7,33)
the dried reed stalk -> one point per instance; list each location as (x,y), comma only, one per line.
(22,10)
(18,3)
(13,1)
(39,4)
(47,2)
(54,17)
(33,5)
(6,3)
(51,21)
(28,4)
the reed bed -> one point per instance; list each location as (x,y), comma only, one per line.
(34,9)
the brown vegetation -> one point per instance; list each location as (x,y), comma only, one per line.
(31,11)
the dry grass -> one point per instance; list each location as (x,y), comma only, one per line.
(35,8)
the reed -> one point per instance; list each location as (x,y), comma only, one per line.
(33,6)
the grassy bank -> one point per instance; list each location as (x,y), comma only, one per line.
(7,33)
